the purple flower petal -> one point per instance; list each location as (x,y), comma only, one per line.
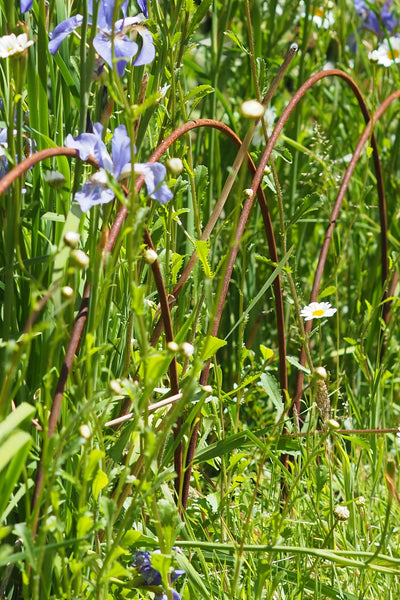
(94,191)
(121,150)
(154,175)
(62,31)
(25,5)
(147,51)
(143,7)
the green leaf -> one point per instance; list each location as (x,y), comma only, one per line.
(327,292)
(267,353)
(271,387)
(294,361)
(211,346)
(99,482)
(203,250)
(23,412)
(13,444)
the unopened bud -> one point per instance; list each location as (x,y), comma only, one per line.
(187,349)
(72,239)
(85,432)
(150,256)
(115,386)
(175,165)
(67,291)
(80,258)
(248,193)
(173,346)
(252,109)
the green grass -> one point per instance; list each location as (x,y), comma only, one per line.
(239,470)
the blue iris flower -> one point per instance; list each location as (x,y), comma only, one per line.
(110,35)
(151,577)
(96,190)
(379,21)
(25,5)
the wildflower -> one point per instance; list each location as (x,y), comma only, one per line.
(111,36)
(323,17)
(317,310)
(14,44)
(25,5)
(342,513)
(143,7)
(96,189)
(151,577)
(387,53)
(381,21)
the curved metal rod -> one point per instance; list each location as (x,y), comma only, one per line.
(378,171)
(368,131)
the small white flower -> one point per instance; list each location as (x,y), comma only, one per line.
(342,513)
(13,44)
(387,53)
(323,18)
(317,310)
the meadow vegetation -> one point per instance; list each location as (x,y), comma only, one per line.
(199,344)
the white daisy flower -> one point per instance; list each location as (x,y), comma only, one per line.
(13,44)
(387,53)
(317,310)
(323,18)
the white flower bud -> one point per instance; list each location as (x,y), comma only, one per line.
(252,109)
(115,387)
(80,258)
(85,432)
(173,346)
(72,239)
(67,291)
(150,256)
(175,165)
(187,349)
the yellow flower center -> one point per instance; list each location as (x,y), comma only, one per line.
(319,12)
(393,54)
(318,313)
